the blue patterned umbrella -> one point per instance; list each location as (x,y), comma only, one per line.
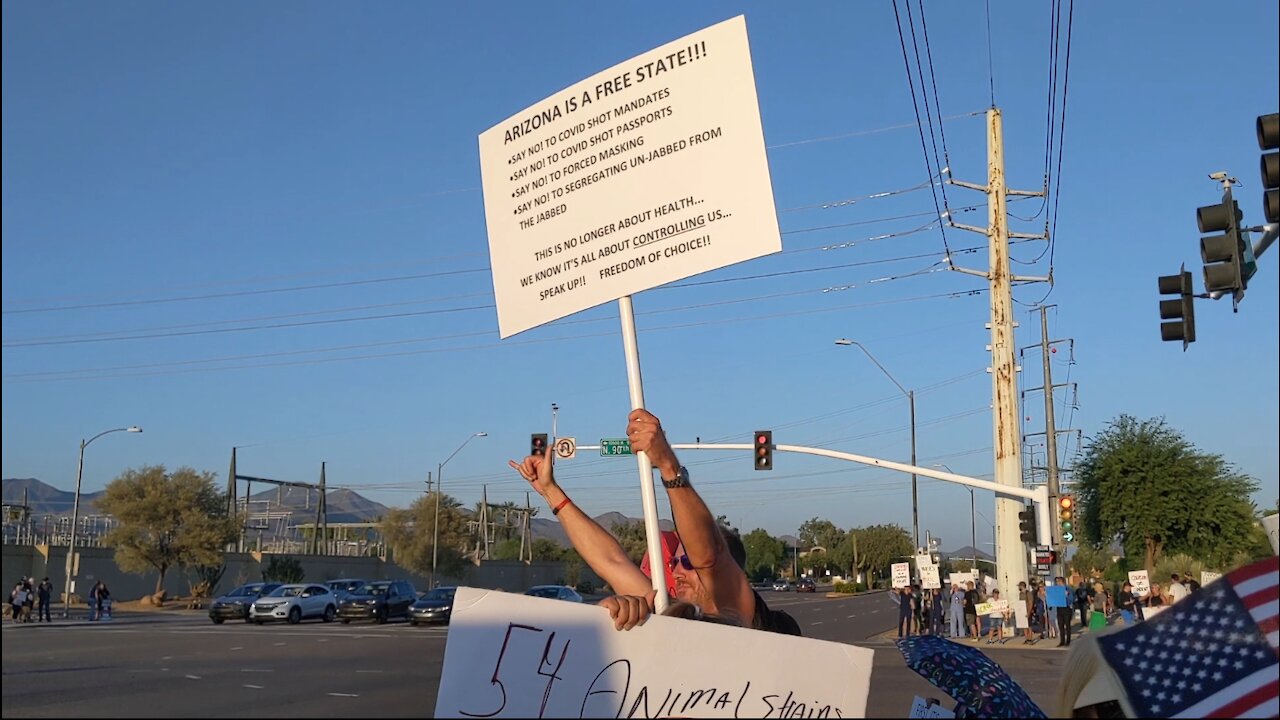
(980,686)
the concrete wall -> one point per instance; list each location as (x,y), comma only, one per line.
(99,564)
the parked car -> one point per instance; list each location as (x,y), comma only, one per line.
(555,592)
(235,604)
(806,585)
(782,585)
(345,586)
(378,601)
(294,603)
(434,606)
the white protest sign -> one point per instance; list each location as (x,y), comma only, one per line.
(1150,612)
(1208,576)
(1140,581)
(919,708)
(901,575)
(959,579)
(648,172)
(929,577)
(518,656)
(923,560)
(1020,618)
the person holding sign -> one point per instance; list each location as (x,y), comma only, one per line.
(706,565)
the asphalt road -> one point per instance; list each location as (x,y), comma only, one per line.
(176,664)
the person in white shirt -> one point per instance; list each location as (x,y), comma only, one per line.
(1177,590)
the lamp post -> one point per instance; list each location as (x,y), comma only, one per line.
(435,526)
(75,516)
(911,401)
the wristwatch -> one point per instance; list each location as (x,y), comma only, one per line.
(680,480)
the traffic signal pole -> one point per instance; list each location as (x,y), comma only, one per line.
(1050,436)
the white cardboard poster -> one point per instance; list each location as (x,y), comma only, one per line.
(929,577)
(1140,581)
(1208,576)
(648,172)
(901,575)
(1020,618)
(519,656)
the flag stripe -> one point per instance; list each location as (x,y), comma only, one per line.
(1269,625)
(1211,705)
(1266,610)
(1268,708)
(1237,707)
(1249,573)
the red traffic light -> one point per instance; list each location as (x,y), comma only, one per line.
(764,449)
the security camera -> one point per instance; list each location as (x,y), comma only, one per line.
(1220,175)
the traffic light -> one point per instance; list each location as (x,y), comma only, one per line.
(764,449)
(1067,517)
(1269,139)
(1223,255)
(538,444)
(1027,524)
(1181,310)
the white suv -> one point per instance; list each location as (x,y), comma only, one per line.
(293,603)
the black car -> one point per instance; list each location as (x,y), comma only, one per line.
(379,601)
(235,604)
(434,606)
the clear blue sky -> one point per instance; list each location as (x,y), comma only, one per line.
(155,151)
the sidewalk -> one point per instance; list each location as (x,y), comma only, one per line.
(1015,642)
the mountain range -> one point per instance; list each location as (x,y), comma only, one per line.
(344,506)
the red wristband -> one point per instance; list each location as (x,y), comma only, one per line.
(560,506)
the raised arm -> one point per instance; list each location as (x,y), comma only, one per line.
(699,532)
(599,549)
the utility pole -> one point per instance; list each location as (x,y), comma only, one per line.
(1011,556)
(1053,474)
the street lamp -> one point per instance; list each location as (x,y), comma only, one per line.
(911,401)
(75,516)
(435,526)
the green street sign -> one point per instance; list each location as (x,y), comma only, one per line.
(614,447)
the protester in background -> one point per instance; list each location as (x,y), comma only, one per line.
(921,599)
(1176,590)
(1041,611)
(44,593)
(971,600)
(936,624)
(705,566)
(1155,598)
(995,625)
(905,601)
(17,598)
(1101,606)
(1127,602)
(1084,594)
(1061,610)
(957,612)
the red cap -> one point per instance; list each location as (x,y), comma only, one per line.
(670,541)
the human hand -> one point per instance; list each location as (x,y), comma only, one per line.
(646,435)
(538,470)
(629,611)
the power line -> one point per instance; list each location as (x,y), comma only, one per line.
(86,373)
(915,107)
(991,73)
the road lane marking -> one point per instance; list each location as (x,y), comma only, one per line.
(193,677)
(368,671)
(238,647)
(816,623)
(343,695)
(255,687)
(852,616)
(256,670)
(280,644)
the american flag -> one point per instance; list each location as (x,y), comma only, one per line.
(1213,654)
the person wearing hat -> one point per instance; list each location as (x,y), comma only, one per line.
(706,565)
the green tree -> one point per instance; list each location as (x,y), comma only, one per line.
(816,532)
(167,520)
(283,569)
(410,532)
(505,549)
(544,549)
(765,554)
(879,547)
(1142,483)
(632,537)
(1091,561)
